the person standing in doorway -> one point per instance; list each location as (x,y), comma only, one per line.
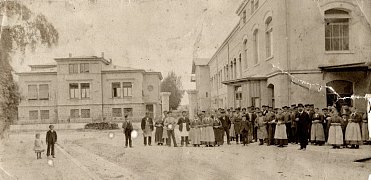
(147,128)
(51,139)
(127,127)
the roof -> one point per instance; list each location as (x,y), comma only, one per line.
(114,68)
(85,58)
(199,62)
(244,80)
(362,66)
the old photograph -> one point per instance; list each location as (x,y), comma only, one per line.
(185,89)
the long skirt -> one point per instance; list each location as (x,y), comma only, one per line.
(158,134)
(335,135)
(195,136)
(353,134)
(207,135)
(237,127)
(184,131)
(317,134)
(219,136)
(365,135)
(164,133)
(232,132)
(262,132)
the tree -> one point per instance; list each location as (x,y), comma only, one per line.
(172,83)
(30,30)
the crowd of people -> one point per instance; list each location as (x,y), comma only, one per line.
(298,124)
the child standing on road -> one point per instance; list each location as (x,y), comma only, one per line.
(38,146)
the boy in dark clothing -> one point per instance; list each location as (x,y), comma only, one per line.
(127,127)
(51,139)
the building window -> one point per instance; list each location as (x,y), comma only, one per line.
(74,113)
(256,46)
(244,16)
(44,114)
(256,5)
(85,90)
(240,65)
(85,113)
(43,91)
(74,91)
(207,95)
(73,68)
(245,53)
(252,6)
(32,92)
(116,112)
(238,96)
(84,68)
(268,37)
(116,89)
(127,88)
(336,30)
(33,115)
(128,111)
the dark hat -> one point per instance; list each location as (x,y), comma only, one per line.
(293,105)
(276,109)
(307,105)
(264,106)
(285,107)
(324,108)
(228,110)
(312,105)
(222,111)
(300,105)
(243,109)
(237,109)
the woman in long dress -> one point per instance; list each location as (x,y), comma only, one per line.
(335,134)
(280,131)
(159,131)
(317,134)
(232,132)
(195,132)
(164,131)
(365,136)
(209,132)
(260,123)
(353,130)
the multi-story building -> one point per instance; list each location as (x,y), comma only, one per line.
(292,51)
(201,72)
(86,89)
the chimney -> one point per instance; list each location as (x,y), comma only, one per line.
(69,55)
(102,54)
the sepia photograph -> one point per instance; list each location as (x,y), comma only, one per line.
(185,89)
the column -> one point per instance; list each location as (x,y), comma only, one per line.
(165,101)
(192,98)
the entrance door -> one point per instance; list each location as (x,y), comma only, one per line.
(342,88)
(271,102)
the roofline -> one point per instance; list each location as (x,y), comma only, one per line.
(242,5)
(42,65)
(244,79)
(105,61)
(35,72)
(158,73)
(225,42)
(132,71)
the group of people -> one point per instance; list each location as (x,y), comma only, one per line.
(298,124)
(51,139)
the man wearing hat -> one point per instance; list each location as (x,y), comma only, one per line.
(287,120)
(303,121)
(252,130)
(226,124)
(326,117)
(264,110)
(237,124)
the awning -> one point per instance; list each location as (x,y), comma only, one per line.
(362,66)
(245,79)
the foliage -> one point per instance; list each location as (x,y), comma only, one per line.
(23,30)
(172,83)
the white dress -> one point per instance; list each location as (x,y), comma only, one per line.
(184,131)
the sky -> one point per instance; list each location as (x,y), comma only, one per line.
(158,35)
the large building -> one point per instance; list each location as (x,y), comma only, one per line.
(292,51)
(86,89)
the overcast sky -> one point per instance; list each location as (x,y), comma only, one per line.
(161,35)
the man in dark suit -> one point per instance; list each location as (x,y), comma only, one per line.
(127,127)
(303,121)
(51,139)
(226,124)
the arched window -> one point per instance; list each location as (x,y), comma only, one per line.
(256,46)
(268,37)
(240,65)
(336,30)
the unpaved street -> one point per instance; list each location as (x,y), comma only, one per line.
(93,155)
